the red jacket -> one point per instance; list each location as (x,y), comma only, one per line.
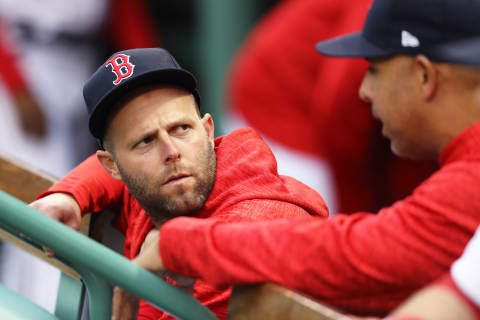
(247,187)
(364,263)
(280,85)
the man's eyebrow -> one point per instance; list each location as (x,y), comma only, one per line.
(137,137)
(180,119)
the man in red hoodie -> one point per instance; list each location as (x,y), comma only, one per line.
(298,90)
(160,161)
(364,263)
(457,294)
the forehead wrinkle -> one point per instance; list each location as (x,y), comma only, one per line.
(150,123)
(126,126)
(152,107)
(175,117)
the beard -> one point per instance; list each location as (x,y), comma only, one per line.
(160,206)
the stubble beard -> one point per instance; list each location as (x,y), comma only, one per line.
(161,207)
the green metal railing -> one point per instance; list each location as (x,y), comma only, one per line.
(98,266)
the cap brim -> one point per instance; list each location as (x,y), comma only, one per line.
(350,45)
(465,51)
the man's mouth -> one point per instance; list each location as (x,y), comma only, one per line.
(176,178)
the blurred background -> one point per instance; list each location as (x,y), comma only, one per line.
(204,36)
(52,47)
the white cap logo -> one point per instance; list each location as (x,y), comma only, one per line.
(409,40)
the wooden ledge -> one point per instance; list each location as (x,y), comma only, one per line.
(271,301)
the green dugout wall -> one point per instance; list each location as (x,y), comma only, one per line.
(204,35)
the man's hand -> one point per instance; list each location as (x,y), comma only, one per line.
(150,259)
(125,304)
(61,207)
(31,115)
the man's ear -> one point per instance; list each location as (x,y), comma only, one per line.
(427,76)
(207,123)
(108,163)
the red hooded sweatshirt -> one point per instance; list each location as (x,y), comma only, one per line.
(364,263)
(247,188)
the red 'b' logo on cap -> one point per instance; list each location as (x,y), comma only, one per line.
(121,66)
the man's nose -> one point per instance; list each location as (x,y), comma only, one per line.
(364,91)
(170,150)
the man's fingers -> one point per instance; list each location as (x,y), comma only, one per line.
(124,305)
(116,303)
(150,238)
(73,223)
(61,207)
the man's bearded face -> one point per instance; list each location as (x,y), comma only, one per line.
(164,151)
(175,197)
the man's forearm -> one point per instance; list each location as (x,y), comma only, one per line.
(149,257)
(346,261)
(90,185)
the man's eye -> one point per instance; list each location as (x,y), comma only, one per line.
(372,69)
(145,141)
(181,128)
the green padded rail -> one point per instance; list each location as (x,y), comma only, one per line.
(97,264)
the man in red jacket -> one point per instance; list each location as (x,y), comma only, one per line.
(163,161)
(427,102)
(298,90)
(457,294)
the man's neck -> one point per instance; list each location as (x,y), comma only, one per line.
(159,221)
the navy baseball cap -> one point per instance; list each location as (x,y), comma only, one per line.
(468,51)
(410,27)
(125,71)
